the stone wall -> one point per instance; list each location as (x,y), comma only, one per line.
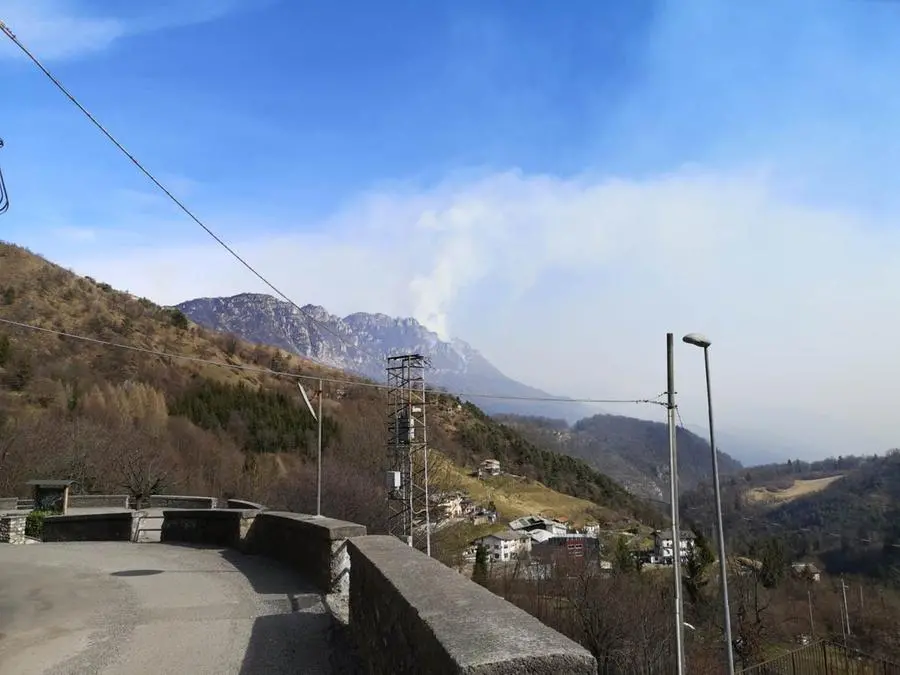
(98,501)
(88,527)
(409,614)
(12,528)
(243,504)
(314,545)
(219,527)
(181,502)
(9,503)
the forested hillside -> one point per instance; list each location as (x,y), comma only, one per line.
(119,419)
(632,451)
(844,512)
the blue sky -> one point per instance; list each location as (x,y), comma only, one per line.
(596,173)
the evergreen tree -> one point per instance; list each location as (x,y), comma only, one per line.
(480,570)
(694,577)
(623,560)
(773,563)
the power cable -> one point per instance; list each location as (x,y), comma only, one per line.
(298,376)
(5,29)
(4,195)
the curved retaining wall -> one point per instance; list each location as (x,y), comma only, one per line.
(98,501)
(219,527)
(181,502)
(316,546)
(243,504)
(113,526)
(410,613)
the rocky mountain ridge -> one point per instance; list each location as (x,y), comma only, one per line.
(360,343)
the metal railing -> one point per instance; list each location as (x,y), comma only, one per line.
(824,658)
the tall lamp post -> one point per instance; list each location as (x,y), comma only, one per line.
(700,341)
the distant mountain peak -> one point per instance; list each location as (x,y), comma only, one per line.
(360,342)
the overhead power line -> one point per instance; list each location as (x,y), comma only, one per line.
(298,376)
(168,193)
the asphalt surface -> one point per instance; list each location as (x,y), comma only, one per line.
(106,608)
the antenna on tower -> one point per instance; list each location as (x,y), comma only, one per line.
(407,452)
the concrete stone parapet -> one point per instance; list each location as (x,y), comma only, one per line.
(98,501)
(243,504)
(181,502)
(9,503)
(219,527)
(111,526)
(411,614)
(12,527)
(315,545)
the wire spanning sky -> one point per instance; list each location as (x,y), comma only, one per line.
(585,179)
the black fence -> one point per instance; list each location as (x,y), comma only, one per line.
(824,658)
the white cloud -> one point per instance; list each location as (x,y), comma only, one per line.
(59,29)
(51,31)
(571,285)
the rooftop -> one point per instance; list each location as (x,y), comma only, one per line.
(529,521)
(667,532)
(508,535)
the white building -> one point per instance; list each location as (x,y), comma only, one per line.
(664,545)
(592,529)
(449,505)
(806,570)
(490,467)
(506,546)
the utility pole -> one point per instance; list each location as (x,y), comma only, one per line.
(318,418)
(846,607)
(321,395)
(812,627)
(4,195)
(673,494)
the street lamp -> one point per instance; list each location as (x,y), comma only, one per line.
(700,341)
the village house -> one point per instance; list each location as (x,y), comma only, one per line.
(449,505)
(591,529)
(806,570)
(664,545)
(490,467)
(532,523)
(506,546)
(553,549)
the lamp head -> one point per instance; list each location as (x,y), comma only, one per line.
(697,340)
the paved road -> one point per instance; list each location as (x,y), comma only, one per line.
(109,608)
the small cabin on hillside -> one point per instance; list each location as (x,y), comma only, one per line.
(489,467)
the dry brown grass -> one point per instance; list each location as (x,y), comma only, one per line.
(800,488)
(48,296)
(513,497)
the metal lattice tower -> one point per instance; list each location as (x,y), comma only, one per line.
(407,452)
